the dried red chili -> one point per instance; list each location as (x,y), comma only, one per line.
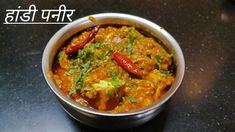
(71,49)
(127,64)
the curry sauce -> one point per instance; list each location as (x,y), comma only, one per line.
(118,70)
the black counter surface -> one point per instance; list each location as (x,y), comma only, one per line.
(205,100)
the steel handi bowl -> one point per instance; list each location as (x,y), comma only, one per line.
(102,119)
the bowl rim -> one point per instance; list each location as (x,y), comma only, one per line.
(155,105)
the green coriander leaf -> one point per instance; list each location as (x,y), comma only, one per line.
(72,90)
(164,73)
(83,53)
(132,99)
(132,39)
(158,65)
(110,93)
(116,83)
(102,84)
(91,57)
(130,44)
(159,58)
(76,62)
(78,77)
(86,65)
(172,53)
(115,74)
(129,48)
(98,44)
(102,56)
(109,83)
(61,56)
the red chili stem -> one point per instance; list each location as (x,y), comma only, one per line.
(71,49)
(127,64)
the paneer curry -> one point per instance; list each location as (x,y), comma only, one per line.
(113,68)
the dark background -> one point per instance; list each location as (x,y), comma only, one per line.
(204,102)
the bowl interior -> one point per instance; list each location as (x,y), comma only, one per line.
(59,39)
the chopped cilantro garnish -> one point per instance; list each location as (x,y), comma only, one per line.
(91,58)
(76,62)
(78,77)
(79,81)
(132,39)
(83,73)
(159,58)
(72,90)
(130,44)
(61,56)
(129,48)
(117,83)
(110,93)
(115,74)
(89,49)
(108,83)
(86,65)
(83,53)
(132,99)
(164,73)
(172,53)
(98,44)
(102,56)
(158,65)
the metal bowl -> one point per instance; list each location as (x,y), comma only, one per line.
(101,119)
